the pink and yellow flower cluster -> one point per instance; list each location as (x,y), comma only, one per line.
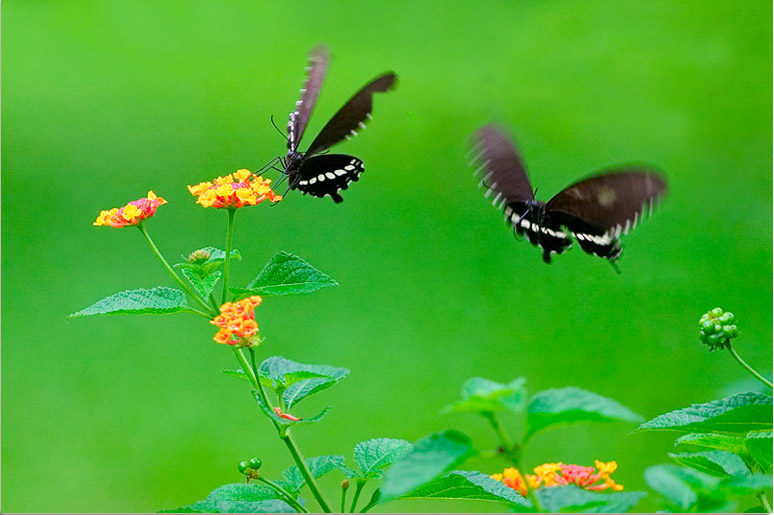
(559,474)
(237,321)
(234,190)
(131,214)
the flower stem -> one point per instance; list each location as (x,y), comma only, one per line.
(509,450)
(343,496)
(373,502)
(307,475)
(748,367)
(229,239)
(358,488)
(177,278)
(764,501)
(282,432)
(287,495)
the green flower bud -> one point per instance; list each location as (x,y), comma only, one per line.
(255,463)
(243,466)
(199,256)
(716,328)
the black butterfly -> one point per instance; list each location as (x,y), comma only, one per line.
(326,174)
(596,210)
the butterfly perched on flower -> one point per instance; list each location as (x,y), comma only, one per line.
(314,171)
(595,211)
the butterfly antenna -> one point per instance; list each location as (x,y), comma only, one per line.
(271,117)
(268,165)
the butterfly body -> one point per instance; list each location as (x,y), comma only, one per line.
(315,172)
(595,211)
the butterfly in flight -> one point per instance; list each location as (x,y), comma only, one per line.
(595,210)
(314,171)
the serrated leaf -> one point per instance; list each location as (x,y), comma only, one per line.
(204,285)
(430,458)
(221,506)
(741,486)
(318,467)
(716,463)
(286,274)
(671,484)
(720,442)
(373,456)
(571,405)
(242,492)
(759,444)
(279,373)
(296,392)
(481,395)
(470,485)
(573,499)
(236,373)
(737,414)
(155,301)
(283,421)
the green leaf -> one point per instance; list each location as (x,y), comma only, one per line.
(738,414)
(571,405)
(729,443)
(759,443)
(562,499)
(283,421)
(716,463)
(203,285)
(156,301)
(286,274)
(296,392)
(670,482)
(236,373)
(221,506)
(242,492)
(481,395)
(431,457)
(373,456)
(279,373)
(318,467)
(470,485)
(742,486)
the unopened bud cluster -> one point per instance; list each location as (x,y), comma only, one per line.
(717,328)
(250,467)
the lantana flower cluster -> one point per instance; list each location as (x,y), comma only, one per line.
(237,322)
(559,474)
(131,214)
(234,190)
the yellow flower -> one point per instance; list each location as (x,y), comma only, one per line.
(234,190)
(237,322)
(511,477)
(131,214)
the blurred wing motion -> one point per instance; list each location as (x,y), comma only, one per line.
(599,209)
(352,116)
(328,174)
(596,211)
(318,65)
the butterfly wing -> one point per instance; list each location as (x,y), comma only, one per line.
(327,175)
(599,209)
(318,65)
(352,116)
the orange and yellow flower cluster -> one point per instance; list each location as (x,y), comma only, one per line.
(237,321)
(131,214)
(558,474)
(238,189)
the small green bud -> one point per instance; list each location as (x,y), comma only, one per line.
(344,484)
(199,256)
(243,466)
(255,463)
(716,328)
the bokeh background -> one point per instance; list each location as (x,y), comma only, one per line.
(103,101)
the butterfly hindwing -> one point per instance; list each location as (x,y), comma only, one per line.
(327,175)
(318,65)
(352,116)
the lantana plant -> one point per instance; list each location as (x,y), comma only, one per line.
(738,430)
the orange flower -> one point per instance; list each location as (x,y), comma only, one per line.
(512,477)
(556,474)
(238,189)
(237,322)
(131,214)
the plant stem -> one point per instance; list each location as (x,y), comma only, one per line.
(288,497)
(748,367)
(301,464)
(283,432)
(373,502)
(343,496)
(509,449)
(229,239)
(358,488)
(764,501)
(177,278)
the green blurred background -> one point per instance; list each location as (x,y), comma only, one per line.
(103,101)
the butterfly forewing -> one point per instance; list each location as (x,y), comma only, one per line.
(612,201)
(501,166)
(352,116)
(318,64)
(327,175)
